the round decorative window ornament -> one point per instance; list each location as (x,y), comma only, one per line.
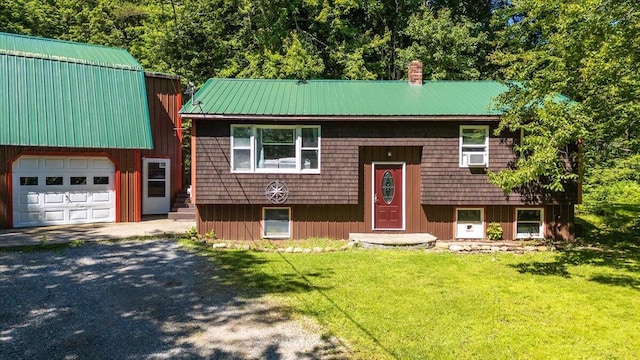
(277,192)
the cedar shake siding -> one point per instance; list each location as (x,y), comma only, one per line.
(343,146)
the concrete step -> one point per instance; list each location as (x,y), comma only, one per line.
(394,239)
(177,216)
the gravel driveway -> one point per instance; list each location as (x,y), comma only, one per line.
(138,300)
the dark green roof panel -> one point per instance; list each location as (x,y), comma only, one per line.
(92,97)
(344,98)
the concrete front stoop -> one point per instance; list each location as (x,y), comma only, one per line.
(381,240)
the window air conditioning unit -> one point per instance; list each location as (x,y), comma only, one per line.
(476,159)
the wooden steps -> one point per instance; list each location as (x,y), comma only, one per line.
(182,209)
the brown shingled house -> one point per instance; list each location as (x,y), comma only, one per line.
(326,158)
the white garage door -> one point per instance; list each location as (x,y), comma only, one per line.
(55,190)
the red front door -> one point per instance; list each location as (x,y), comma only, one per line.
(388,206)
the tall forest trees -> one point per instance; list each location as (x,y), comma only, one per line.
(586,50)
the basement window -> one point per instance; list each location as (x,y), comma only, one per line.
(529,223)
(275,149)
(469,223)
(276,223)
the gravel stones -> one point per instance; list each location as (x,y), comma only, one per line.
(142,300)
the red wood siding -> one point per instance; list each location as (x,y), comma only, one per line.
(128,193)
(165,100)
(559,221)
(243,222)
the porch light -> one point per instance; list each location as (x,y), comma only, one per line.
(389,154)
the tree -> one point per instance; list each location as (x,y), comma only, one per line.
(588,50)
(31,17)
(449,48)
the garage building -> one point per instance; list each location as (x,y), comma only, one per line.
(85,134)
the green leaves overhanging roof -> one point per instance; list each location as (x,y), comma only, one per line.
(65,94)
(348,98)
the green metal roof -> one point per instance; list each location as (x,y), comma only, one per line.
(349,98)
(66,94)
(42,48)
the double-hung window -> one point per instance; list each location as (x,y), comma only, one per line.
(529,223)
(474,145)
(275,149)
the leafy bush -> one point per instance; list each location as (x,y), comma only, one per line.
(192,233)
(494,231)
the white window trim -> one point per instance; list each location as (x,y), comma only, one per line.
(481,218)
(528,236)
(299,169)
(264,235)
(461,158)
(404,193)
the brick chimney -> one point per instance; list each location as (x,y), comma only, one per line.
(415,73)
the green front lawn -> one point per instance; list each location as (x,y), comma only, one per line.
(574,304)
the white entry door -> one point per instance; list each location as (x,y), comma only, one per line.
(156,189)
(57,190)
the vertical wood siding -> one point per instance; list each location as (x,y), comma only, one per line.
(244,222)
(164,98)
(125,162)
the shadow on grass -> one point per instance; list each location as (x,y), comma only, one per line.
(616,251)
(242,271)
(138,300)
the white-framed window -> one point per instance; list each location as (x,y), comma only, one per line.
(469,223)
(474,145)
(276,222)
(275,149)
(529,223)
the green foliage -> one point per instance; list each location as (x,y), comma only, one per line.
(613,193)
(192,233)
(494,231)
(587,50)
(449,47)
(211,235)
(295,62)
